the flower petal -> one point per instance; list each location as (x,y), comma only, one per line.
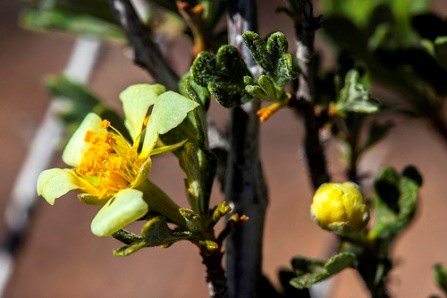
(169,111)
(54,183)
(76,146)
(136,101)
(126,207)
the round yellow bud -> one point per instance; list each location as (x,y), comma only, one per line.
(339,207)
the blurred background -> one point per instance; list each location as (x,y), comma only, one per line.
(61,258)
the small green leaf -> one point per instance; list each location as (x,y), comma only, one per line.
(354,96)
(126,207)
(272,56)
(440,273)
(194,91)
(395,202)
(311,271)
(192,220)
(154,233)
(223,75)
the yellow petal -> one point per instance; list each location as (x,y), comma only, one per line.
(54,183)
(126,207)
(136,101)
(76,146)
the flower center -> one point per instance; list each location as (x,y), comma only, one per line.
(109,164)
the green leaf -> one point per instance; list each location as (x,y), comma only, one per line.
(440,273)
(169,111)
(354,96)
(310,271)
(154,233)
(124,208)
(272,56)
(55,19)
(223,75)
(199,94)
(395,202)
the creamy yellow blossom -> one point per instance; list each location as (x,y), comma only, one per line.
(339,207)
(108,169)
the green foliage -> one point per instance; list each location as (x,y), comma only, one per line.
(310,271)
(354,96)
(395,202)
(80,17)
(272,56)
(194,91)
(385,37)
(440,273)
(223,74)
(155,232)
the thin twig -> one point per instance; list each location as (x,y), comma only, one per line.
(305,26)
(245,186)
(146,52)
(215,274)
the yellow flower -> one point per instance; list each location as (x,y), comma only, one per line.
(108,169)
(339,207)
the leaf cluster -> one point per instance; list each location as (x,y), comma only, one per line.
(402,45)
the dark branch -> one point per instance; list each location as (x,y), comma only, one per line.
(245,185)
(146,52)
(305,26)
(215,274)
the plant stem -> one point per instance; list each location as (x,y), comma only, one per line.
(305,26)
(147,54)
(245,186)
(215,274)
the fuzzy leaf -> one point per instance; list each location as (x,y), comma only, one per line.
(272,56)
(395,201)
(311,271)
(354,96)
(223,75)
(126,207)
(194,91)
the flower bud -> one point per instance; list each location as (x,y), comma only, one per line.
(339,207)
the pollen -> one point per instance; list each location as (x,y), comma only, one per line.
(109,164)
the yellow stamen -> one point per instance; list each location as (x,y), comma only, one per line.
(109,164)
